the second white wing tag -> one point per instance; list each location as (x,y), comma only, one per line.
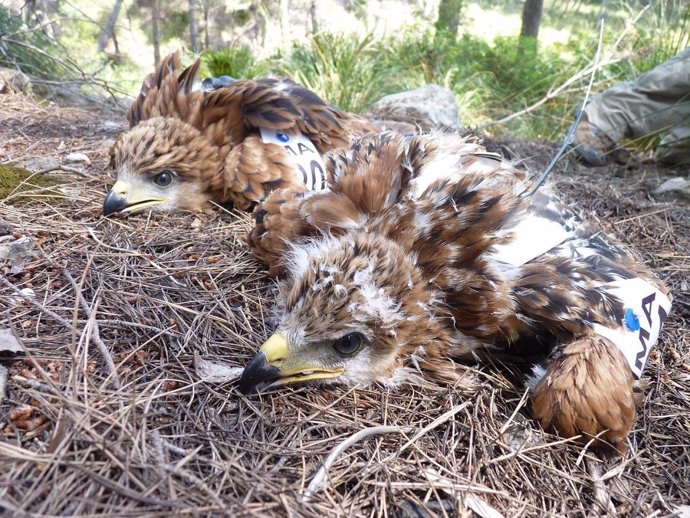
(646,308)
(307,160)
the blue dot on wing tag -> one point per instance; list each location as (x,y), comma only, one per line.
(631,320)
(282,136)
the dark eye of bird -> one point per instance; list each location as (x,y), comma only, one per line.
(349,344)
(163,179)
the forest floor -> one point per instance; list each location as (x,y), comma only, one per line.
(109,410)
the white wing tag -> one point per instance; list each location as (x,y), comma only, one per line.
(310,166)
(646,308)
(533,236)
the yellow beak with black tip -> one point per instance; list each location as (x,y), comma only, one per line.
(122,198)
(272,366)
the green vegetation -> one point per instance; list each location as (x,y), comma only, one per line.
(237,61)
(27,51)
(22,184)
(489,76)
(350,71)
(490,79)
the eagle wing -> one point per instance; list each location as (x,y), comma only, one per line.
(377,176)
(242,106)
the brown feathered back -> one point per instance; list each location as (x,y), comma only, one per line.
(236,109)
(245,168)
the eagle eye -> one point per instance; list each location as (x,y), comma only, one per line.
(163,179)
(349,344)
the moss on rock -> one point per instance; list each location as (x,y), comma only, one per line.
(16,181)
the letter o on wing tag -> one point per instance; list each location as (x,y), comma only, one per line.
(304,155)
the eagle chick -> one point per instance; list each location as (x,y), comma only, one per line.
(234,143)
(423,252)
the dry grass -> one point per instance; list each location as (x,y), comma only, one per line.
(106,414)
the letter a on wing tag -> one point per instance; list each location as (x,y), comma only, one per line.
(304,155)
(645,308)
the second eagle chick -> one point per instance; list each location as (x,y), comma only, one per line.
(188,146)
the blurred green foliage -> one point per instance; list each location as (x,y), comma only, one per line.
(26,50)
(237,61)
(242,16)
(490,79)
(350,71)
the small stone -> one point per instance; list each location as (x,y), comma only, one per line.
(17,299)
(215,372)
(112,126)
(21,247)
(9,343)
(673,184)
(71,192)
(77,158)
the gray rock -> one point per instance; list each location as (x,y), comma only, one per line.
(17,253)
(77,158)
(72,95)
(113,126)
(40,164)
(13,81)
(17,249)
(677,188)
(429,107)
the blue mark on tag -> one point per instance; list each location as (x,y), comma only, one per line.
(282,136)
(632,321)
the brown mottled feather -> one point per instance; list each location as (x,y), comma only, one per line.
(588,389)
(278,215)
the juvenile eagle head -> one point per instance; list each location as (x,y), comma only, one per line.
(161,164)
(355,309)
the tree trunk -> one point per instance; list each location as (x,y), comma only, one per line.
(448,18)
(110,26)
(193,31)
(207,39)
(531,19)
(155,27)
(314,19)
(259,16)
(284,25)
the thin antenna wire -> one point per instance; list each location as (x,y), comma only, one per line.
(569,136)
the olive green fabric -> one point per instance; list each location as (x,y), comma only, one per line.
(674,148)
(657,103)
